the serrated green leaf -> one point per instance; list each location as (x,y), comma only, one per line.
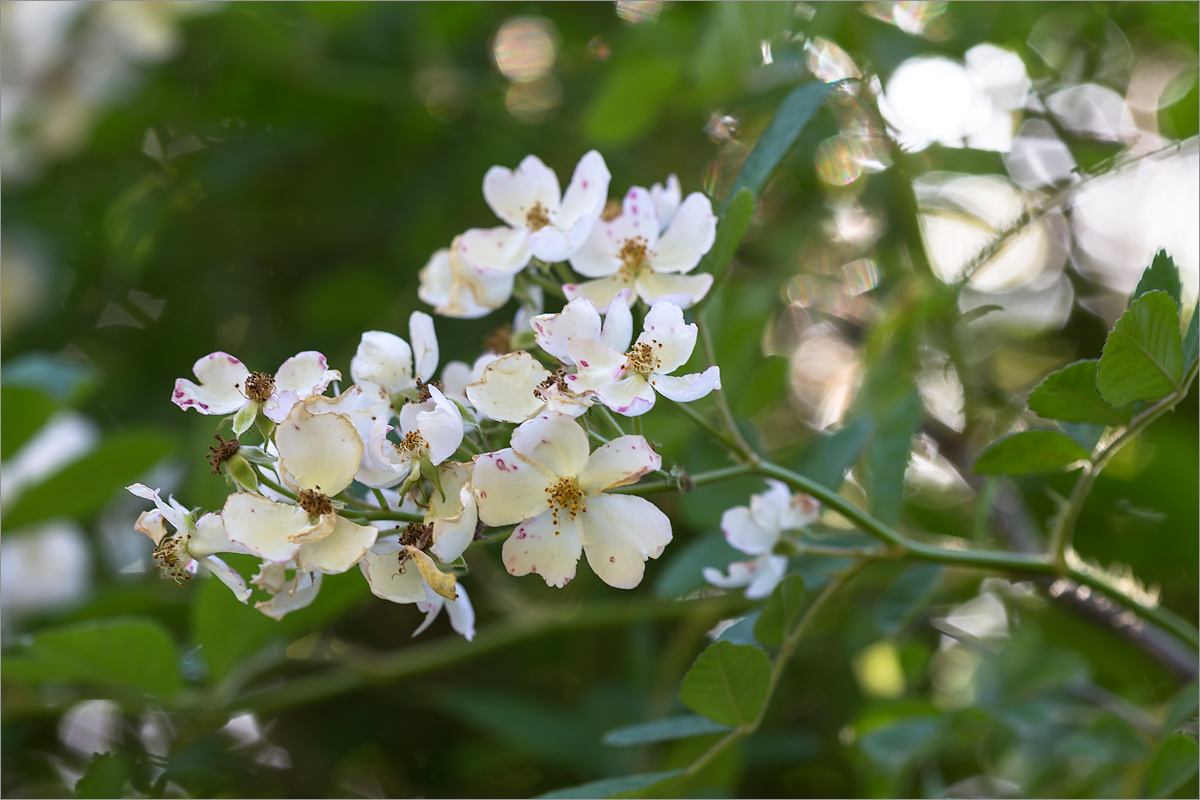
(728,683)
(118,651)
(1173,765)
(25,411)
(1028,453)
(1191,340)
(683,726)
(794,113)
(610,787)
(1143,356)
(1161,275)
(781,611)
(1070,395)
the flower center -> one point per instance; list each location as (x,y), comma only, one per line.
(415,535)
(413,442)
(537,218)
(222,452)
(315,503)
(633,255)
(641,358)
(555,381)
(611,211)
(259,387)
(171,556)
(565,495)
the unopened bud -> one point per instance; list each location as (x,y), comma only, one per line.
(242,473)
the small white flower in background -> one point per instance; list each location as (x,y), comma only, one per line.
(228,387)
(385,360)
(627,382)
(666,200)
(755,530)
(542,222)
(195,543)
(554,488)
(627,251)
(457,290)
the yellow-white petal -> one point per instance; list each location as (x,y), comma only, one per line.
(381,567)
(299,593)
(321,451)
(267,529)
(340,550)
(440,582)
(505,392)
(619,533)
(541,547)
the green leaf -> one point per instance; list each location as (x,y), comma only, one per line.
(630,102)
(105,777)
(907,595)
(117,651)
(794,113)
(25,412)
(742,631)
(894,744)
(1028,453)
(80,488)
(610,787)
(735,221)
(781,611)
(1070,395)
(728,683)
(684,726)
(1191,340)
(1143,357)
(1173,765)
(829,457)
(1181,708)
(888,453)
(1162,275)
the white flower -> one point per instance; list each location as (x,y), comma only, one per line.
(194,543)
(318,457)
(755,530)
(515,387)
(385,360)
(580,319)
(457,290)
(388,568)
(666,200)
(429,431)
(627,251)
(626,383)
(542,222)
(549,484)
(457,375)
(452,518)
(286,596)
(227,387)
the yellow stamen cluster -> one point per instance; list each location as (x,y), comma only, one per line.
(565,495)
(633,255)
(171,556)
(537,218)
(641,358)
(557,380)
(413,442)
(260,386)
(315,503)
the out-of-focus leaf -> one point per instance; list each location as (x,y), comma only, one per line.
(830,456)
(105,777)
(1070,395)
(1143,357)
(907,595)
(735,221)
(742,631)
(83,486)
(1191,340)
(794,113)
(888,453)
(631,100)
(1109,741)
(1028,453)
(610,787)
(1085,434)
(728,683)
(1161,275)
(24,411)
(65,381)
(682,575)
(683,726)
(781,611)
(1183,707)
(1173,764)
(894,744)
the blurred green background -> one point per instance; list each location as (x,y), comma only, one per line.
(267,178)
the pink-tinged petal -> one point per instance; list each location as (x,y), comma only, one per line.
(226,575)
(587,192)
(171,512)
(597,256)
(556,442)
(340,550)
(462,615)
(638,220)
(305,374)
(544,548)
(505,392)
(771,570)
(744,532)
(579,319)
(631,396)
(381,567)
(618,322)
(621,462)
(209,536)
(299,594)
(686,388)
(671,339)
(504,251)
(512,194)
(690,236)
(153,525)
(383,359)
(424,345)
(276,409)
(318,451)
(508,488)
(666,200)
(601,291)
(267,529)
(619,533)
(597,362)
(682,290)
(222,379)
(441,427)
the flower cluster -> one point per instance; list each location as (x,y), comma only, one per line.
(401,471)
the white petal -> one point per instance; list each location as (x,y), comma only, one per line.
(566,403)
(618,322)
(381,567)
(690,236)
(508,488)
(152,524)
(383,359)
(305,374)
(541,547)
(619,533)
(455,377)
(621,462)
(221,378)
(631,396)
(340,550)
(431,606)
(664,326)
(227,575)
(770,571)
(424,344)
(172,512)
(682,290)
(209,536)
(745,533)
(579,319)
(739,575)
(318,451)
(666,200)
(587,192)
(441,427)
(597,256)
(686,388)
(455,290)
(598,363)
(268,529)
(300,594)
(454,519)
(462,614)
(554,441)
(270,577)
(638,220)
(505,393)
(601,291)
(502,250)
(513,194)
(383,464)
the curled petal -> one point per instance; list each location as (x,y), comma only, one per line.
(671,338)
(318,451)
(579,319)
(631,396)
(686,388)
(505,392)
(691,234)
(619,533)
(441,582)
(345,545)
(302,591)
(454,518)
(682,290)
(270,577)
(381,567)
(153,525)
(384,359)
(222,378)
(508,488)
(621,462)
(441,426)
(456,290)
(542,547)
(173,512)
(305,374)
(226,575)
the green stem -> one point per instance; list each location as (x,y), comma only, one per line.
(706,426)
(614,428)
(270,484)
(744,451)
(379,498)
(402,516)
(692,481)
